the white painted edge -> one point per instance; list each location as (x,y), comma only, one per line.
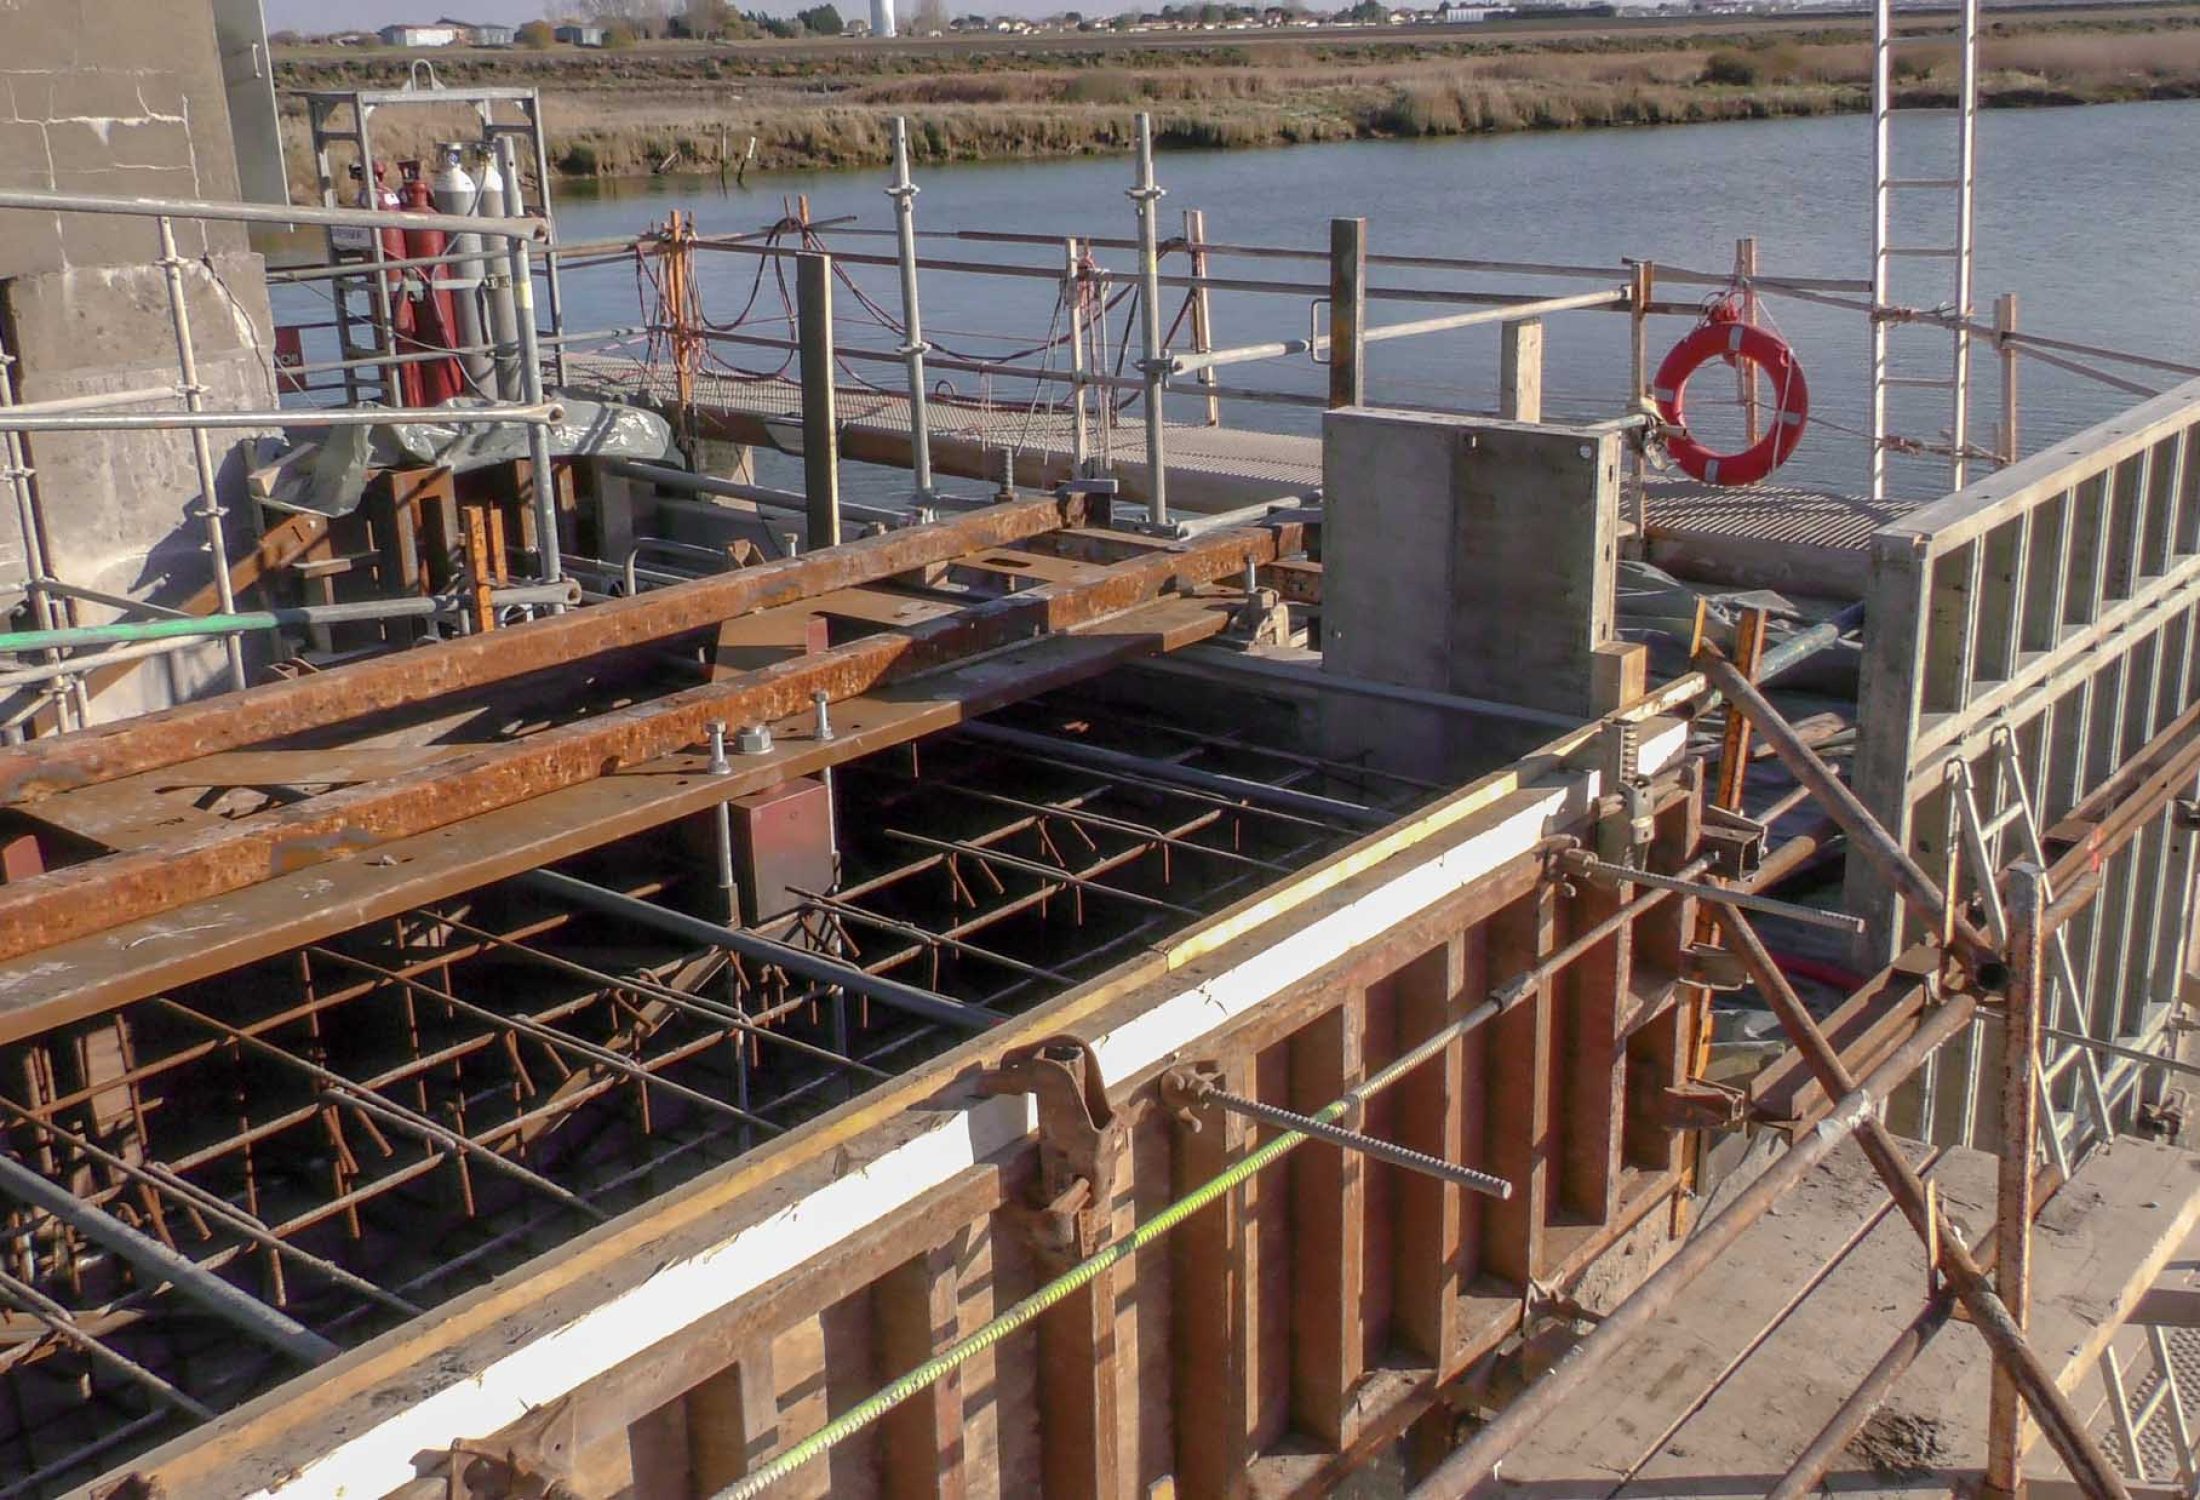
(685,1292)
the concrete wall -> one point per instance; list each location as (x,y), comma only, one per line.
(123,98)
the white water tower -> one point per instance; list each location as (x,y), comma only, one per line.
(882,17)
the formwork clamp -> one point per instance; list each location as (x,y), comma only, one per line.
(1081,1142)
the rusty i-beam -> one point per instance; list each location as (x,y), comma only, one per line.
(150,742)
(81,899)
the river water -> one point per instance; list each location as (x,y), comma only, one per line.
(2085,213)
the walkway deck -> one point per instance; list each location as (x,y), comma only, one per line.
(1766,536)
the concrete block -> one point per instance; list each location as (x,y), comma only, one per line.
(1467,556)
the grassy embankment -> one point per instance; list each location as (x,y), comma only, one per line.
(686,107)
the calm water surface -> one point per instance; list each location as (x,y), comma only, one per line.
(2084,213)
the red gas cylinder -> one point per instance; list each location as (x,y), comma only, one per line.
(435,316)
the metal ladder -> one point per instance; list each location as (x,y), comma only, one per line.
(1981,842)
(2165,1399)
(1905,231)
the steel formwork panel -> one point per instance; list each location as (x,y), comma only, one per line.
(2040,625)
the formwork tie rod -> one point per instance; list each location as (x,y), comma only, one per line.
(1353,1140)
(1597,869)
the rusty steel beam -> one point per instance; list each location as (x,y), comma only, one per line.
(81,899)
(150,742)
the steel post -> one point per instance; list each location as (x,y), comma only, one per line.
(1155,365)
(1073,292)
(913,348)
(2005,325)
(2073,1441)
(71,704)
(2014,1201)
(202,451)
(548,561)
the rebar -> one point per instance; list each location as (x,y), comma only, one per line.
(925,1004)
(245,1313)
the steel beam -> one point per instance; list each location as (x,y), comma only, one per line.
(82,899)
(170,736)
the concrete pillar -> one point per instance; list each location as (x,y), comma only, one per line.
(1468,556)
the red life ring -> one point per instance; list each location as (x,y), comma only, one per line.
(1730,339)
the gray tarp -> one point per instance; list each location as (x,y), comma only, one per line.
(597,429)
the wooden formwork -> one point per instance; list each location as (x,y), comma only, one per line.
(1290,1331)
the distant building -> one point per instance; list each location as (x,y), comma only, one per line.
(882,18)
(404,34)
(482,33)
(580,36)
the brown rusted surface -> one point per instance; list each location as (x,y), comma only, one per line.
(101,893)
(150,741)
(131,960)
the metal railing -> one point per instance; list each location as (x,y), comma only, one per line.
(59,678)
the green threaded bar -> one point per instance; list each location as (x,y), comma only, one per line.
(858,1417)
(137,630)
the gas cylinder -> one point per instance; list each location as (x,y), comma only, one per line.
(496,279)
(456,192)
(434,316)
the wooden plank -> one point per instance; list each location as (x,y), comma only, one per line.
(1770,1403)
(1328,1187)
(1430,1245)
(915,1311)
(1211,1312)
(1592,1081)
(1518,1100)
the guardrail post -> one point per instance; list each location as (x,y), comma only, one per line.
(1203,340)
(1073,291)
(1148,198)
(913,347)
(820,420)
(2005,324)
(1347,312)
(1520,372)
